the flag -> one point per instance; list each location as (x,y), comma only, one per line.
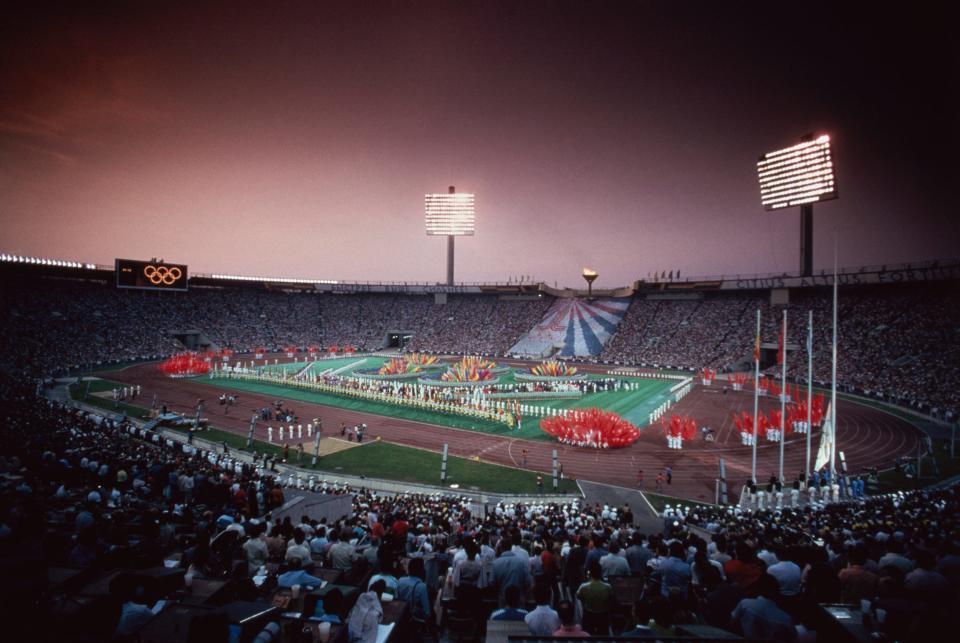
(826,442)
(756,347)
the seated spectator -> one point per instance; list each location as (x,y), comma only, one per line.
(543,620)
(297,576)
(760,618)
(598,602)
(613,564)
(512,611)
(509,570)
(856,582)
(746,569)
(925,582)
(569,628)
(328,608)
(342,554)
(412,588)
(366,615)
(256,550)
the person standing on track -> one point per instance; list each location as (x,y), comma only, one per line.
(669,472)
(659,480)
(640,479)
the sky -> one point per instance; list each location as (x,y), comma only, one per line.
(298,138)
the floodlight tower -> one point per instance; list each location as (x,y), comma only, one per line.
(799,175)
(589,276)
(451,214)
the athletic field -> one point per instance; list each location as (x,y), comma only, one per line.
(634,405)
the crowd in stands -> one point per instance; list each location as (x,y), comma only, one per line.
(58,324)
(81,491)
(899,344)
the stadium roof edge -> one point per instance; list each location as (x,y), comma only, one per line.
(930,270)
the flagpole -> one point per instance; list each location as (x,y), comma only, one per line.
(783,394)
(806,470)
(756,399)
(833,368)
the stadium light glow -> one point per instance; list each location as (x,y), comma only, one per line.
(45,261)
(281,280)
(797,175)
(450,215)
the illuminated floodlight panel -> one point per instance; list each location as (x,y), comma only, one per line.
(450,215)
(797,175)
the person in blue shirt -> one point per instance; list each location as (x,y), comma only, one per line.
(328,608)
(296,576)
(413,589)
(674,571)
(513,611)
(595,554)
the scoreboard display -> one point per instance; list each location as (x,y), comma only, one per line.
(151,275)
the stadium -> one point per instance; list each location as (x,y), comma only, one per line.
(217,448)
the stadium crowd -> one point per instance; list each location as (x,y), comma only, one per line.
(897,343)
(81,491)
(900,346)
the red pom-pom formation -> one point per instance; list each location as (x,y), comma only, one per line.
(185,365)
(593,427)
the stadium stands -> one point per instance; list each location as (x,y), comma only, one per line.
(112,536)
(898,343)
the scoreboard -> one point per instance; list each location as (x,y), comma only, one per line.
(151,275)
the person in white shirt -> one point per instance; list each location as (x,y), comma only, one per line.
(544,620)
(614,564)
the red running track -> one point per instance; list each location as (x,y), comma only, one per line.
(866,435)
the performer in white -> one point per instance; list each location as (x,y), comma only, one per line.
(299,431)
(270,434)
(281,433)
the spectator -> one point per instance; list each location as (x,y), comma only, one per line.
(543,620)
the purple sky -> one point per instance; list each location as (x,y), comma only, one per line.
(298,138)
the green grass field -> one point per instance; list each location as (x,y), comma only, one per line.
(85,392)
(635,405)
(375,459)
(388,461)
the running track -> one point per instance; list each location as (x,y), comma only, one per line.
(867,436)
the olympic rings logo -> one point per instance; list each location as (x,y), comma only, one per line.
(158,275)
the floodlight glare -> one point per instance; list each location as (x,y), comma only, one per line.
(797,175)
(450,214)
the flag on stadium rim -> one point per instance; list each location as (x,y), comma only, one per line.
(756,345)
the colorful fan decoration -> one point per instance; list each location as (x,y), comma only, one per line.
(553,368)
(472,362)
(459,372)
(421,360)
(591,427)
(333,349)
(184,365)
(399,366)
